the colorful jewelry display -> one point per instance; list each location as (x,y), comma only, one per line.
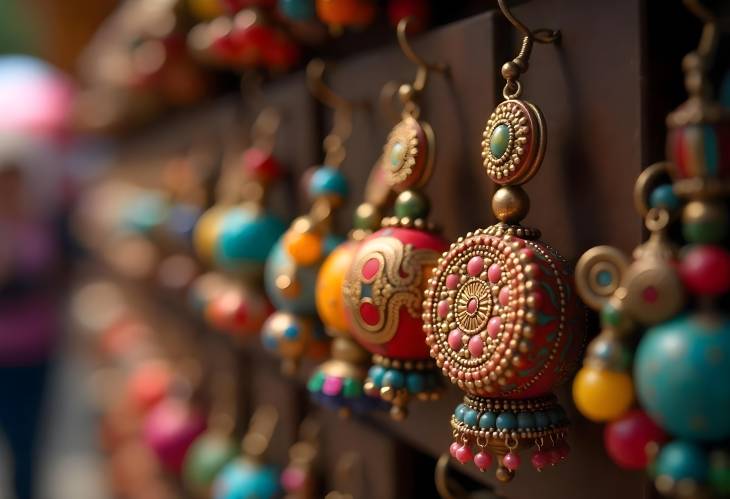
(672,300)
(294,262)
(502,320)
(385,284)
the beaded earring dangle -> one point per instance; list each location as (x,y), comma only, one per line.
(501,317)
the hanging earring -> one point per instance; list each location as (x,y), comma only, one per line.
(671,305)
(291,269)
(385,284)
(248,476)
(501,317)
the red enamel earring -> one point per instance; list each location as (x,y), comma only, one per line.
(502,319)
(384,287)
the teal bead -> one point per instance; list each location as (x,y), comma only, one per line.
(394,379)
(676,370)
(328,181)
(506,421)
(146,212)
(471,417)
(243,479)
(664,197)
(611,316)
(604,278)
(459,412)
(683,460)
(541,419)
(246,238)
(525,420)
(488,420)
(415,383)
(376,374)
(499,141)
(297,10)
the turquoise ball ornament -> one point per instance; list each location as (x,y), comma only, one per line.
(290,287)
(327,181)
(297,10)
(244,479)
(682,460)
(146,212)
(680,371)
(245,239)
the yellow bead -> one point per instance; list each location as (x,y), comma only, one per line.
(206,232)
(602,394)
(305,248)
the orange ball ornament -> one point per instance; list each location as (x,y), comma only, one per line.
(305,248)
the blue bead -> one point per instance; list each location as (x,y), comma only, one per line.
(506,421)
(394,379)
(242,479)
(328,181)
(683,460)
(376,374)
(471,417)
(541,419)
(604,278)
(415,382)
(677,369)
(487,420)
(291,332)
(525,420)
(297,10)
(459,412)
(663,197)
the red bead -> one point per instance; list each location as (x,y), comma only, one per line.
(511,461)
(464,454)
(540,460)
(453,448)
(261,165)
(483,460)
(705,270)
(626,439)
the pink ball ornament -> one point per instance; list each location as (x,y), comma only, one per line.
(705,270)
(626,439)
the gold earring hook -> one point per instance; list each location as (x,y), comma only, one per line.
(541,35)
(423,67)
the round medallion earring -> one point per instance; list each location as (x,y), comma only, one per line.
(501,317)
(385,284)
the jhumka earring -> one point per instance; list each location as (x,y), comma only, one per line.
(664,315)
(384,287)
(291,269)
(501,317)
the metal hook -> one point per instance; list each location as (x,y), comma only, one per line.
(541,35)
(319,89)
(423,67)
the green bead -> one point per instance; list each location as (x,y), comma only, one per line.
(610,315)
(397,155)
(710,231)
(411,204)
(719,476)
(351,388)
(316,382)
(499,141)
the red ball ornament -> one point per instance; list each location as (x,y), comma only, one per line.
(239,311)
(148,384)
(260,165)
(626,439)
(384,291)
(705,270)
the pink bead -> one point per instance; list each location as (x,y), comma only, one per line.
(443,308)
(475,266)
(332,386)
(494,326)
(511,461)
(483,460)
(452,281)
(504,296)
(540,460)
(293,479)
(454,339)
(494,273)
(705,270)
(464,454)
(472,305)
(453,448)
(476,346)
(554,456)
(564,451)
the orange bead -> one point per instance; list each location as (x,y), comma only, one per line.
(346,12)
(305,248)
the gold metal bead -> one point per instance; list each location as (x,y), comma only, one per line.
(510,204)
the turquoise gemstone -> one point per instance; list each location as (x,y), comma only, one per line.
(291,332)
(677,369)
(297,10)
(471,417)
(506,421)
(487,420)
(499,141)
(663,197)
(459,412)
(394,379)
(541,419)
(328,181)
(604,278)
(682,460)
(525,420)
(415,383)
(397,155)
(146,212)
(376,374)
